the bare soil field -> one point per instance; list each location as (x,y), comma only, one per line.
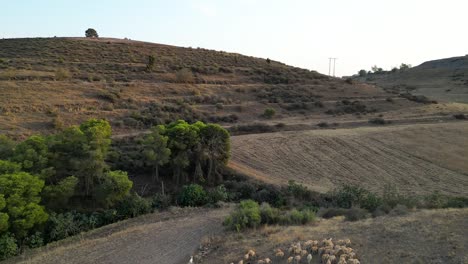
(418,159)
(169,238)
(427,236)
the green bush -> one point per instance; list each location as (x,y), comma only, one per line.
(60,226)
(268,214)
(161,201)
(8,246)
(193,195)
(218,194)
(35,240)
(246,215)
(133,205)
(297,217)
(269,113)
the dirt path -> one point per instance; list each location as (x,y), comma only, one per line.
(168,238)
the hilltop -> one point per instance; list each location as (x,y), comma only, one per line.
(443,79)
(49,83)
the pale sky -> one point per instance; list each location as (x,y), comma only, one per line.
(303,33)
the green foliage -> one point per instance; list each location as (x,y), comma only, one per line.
(57,196)
(91,33)
(297,217)
(114,187)
(161,201)
(6,147)
(61,226)
(21,194)
(218,194)
(8,246)
(156,152)
(193,195)
(9,167)
(32,154)
(184,76)
(362,73)
(35,240)
(269,215)
(246,215)
(133,205)
(269,112)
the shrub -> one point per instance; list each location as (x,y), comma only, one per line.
(91,33)
(268,214)
(355,214)
(193,195)
(150,64)
(161,201)
(269,113)
(133,205)
(218,194)
(184,76)
(297,217)
(246,215)
(35,240)
(62,74)
(219,106)
(378,121)
(322,124)
(399,210)
(460,116)
(61,226)
(8,246)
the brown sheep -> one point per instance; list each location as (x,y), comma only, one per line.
(297,259)
(290,260)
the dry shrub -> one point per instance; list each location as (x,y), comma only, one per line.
(184,76)
(62,74)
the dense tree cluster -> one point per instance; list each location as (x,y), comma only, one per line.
(193,152)
(58,185)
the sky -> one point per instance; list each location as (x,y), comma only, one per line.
(302,33)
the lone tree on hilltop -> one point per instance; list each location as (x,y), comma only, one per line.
(91,33)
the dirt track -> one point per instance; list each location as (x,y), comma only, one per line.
(416,158)
(162,238)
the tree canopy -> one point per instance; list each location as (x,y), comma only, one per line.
(91,33)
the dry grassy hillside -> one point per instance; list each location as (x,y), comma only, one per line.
(427,236)
(418,159)
(443,80)
(48,83)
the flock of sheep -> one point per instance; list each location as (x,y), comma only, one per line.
(326,251)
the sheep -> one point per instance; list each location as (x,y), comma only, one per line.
(240,262)
(342,261)
(340,242)
(347,242)
(279,254)
(290,260)
(353,261)
(308,244)
(297,259)
(246,256)
(304,253)
(309,258)
(261,261)
(315,242)
(332,258)
(325,258)
(329,262)
(251,253)
(267,261)
(314,249)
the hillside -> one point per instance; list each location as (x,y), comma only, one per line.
(48,83)
(443,80)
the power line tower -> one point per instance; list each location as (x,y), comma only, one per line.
(329,66)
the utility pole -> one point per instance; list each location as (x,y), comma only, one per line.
(329,66)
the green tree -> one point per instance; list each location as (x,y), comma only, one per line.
(247,214)
(9,167)
(362,73)
(21,191)
(6,147)
(216,147)
(114,186)
(32,154)
(91,33)
(156,153)
(56,196)
(193,195)
(404,66)
(8,246)
(269,112)
(182,138)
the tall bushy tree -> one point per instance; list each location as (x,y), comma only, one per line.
(156,152)
(182,138)
(6,147)
(32,154)
(21,197)
(215,142)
